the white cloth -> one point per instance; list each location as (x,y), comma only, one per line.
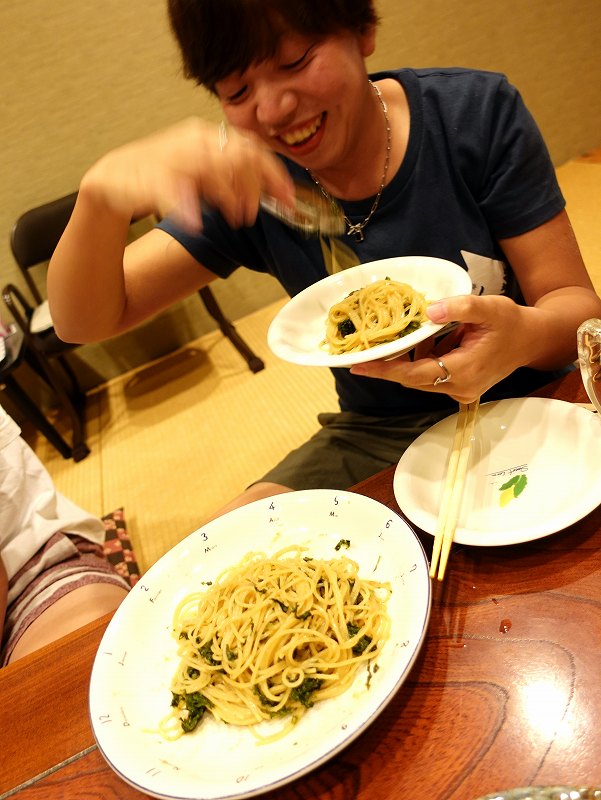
(31,509)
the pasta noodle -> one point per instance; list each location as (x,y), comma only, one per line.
(380,312)
(271,637)
(337,255)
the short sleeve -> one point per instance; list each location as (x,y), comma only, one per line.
(519,189)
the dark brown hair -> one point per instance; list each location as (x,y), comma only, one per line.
(218,37)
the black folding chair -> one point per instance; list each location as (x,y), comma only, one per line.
(33,240)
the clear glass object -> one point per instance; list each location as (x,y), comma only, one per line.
(547,793)
(589,356)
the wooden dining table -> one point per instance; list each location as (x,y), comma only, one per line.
(505,690)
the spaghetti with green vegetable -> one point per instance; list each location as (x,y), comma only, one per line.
(271,637)
(381,312)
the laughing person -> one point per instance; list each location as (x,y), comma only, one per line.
(440,162)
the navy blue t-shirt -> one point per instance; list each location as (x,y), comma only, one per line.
(476,170)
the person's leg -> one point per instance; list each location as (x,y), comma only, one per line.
(77,608)
(66,584)
(347,449)
(257,491)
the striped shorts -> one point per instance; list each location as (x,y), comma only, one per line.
(63,564)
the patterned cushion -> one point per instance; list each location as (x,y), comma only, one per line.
(117,547)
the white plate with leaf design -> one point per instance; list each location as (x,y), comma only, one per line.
(533,471)
(129,688)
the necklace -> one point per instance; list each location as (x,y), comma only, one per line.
(357,229)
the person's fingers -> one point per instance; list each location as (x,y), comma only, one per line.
(240,172)
(452,374)
(470,309)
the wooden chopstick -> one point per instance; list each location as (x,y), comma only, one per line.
(453,488)
(448,488)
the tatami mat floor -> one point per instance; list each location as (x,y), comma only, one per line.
(173,441)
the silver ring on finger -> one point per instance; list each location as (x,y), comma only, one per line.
(445,377)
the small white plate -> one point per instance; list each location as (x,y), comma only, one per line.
(298,330)
(136,659)
(551,447)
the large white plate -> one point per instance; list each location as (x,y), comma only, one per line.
(129,689)
(554,444)
(299,328)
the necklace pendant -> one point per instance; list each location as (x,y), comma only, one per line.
(357,229)
(357,232)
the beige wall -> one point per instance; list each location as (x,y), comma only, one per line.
(548,48)
(79,78)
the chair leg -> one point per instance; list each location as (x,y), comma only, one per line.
(33,413)
(73,404)
(208,298)
(78,397)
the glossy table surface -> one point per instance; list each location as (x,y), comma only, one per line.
(506,690)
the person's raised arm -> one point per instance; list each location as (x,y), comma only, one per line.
(97,287)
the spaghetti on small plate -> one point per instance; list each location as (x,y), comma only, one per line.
(378,313)
(297,332)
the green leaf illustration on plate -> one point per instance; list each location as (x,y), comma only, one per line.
(512,488)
